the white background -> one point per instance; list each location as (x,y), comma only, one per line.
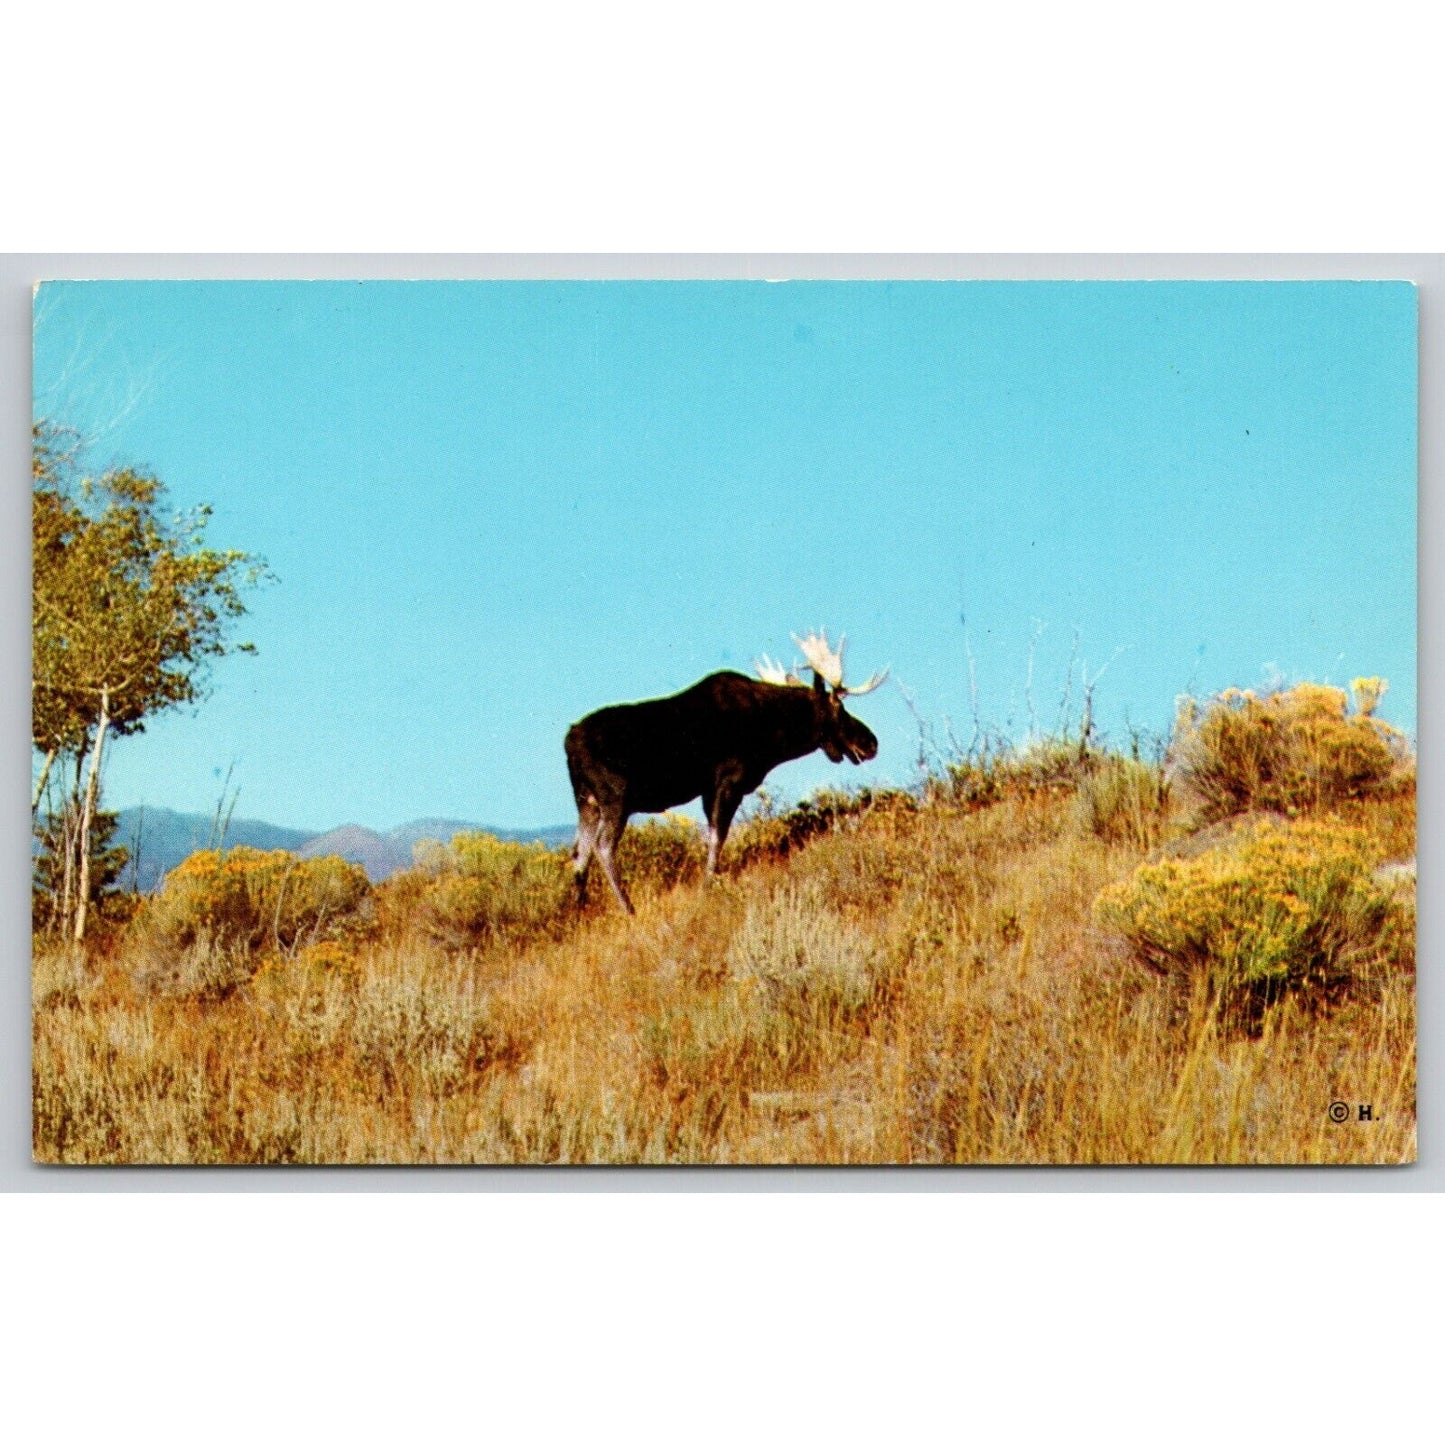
(777,128)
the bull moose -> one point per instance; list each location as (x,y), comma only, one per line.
(716,740)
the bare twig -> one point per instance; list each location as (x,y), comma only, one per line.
(216,837)
(1062,727)
(92,787)
(135,853)
(926,746)
(972,685)
(44,779)
(226,824)
(1039,628)
(276,919)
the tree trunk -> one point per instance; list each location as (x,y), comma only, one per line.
(40,786)
(63,914)
(135,852)
(92,786)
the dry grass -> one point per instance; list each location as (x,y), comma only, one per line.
(911,985)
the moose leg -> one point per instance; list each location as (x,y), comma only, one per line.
(609,834)
(589,821)
(720,806)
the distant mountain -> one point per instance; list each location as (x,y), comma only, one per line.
(379,855)
(383,854)
(442,829)
(445,829)
(160,838)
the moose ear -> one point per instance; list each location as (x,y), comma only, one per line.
(819,685)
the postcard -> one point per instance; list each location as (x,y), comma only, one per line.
(722,722)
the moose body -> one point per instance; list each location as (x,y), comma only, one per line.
(716,740)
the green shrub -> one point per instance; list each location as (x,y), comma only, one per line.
(1124,801)
(767,835)
(804,957)
(1289,750)
(661,852)
(998,770)
(255,901)
(1279,907)
(479,888)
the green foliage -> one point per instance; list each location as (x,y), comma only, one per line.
(126,599)
(763,833)
(661,852)
(478,888)
(996,770)
(129,609)
(1289,750)
(768,835)
(108,860)
(257,902)
(1280,907)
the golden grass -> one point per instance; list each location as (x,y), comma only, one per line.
(917,986)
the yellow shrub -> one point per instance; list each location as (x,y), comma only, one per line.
(399,901)
(256,900)
(1280,906)
(1289,750)
(329,953)
(1367,692)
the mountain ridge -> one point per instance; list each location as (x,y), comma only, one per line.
(160,838)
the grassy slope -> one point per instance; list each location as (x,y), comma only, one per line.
(921,987)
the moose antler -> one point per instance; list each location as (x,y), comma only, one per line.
(771,671)
(877,680)
(828,663)
(821,657)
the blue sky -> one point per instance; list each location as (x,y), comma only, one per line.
(492,507)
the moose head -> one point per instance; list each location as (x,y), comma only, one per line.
(839,733)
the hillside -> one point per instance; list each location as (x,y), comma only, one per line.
(878,981)
(161,838)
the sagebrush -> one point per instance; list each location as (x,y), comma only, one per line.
(1288,750)
(1281,906)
